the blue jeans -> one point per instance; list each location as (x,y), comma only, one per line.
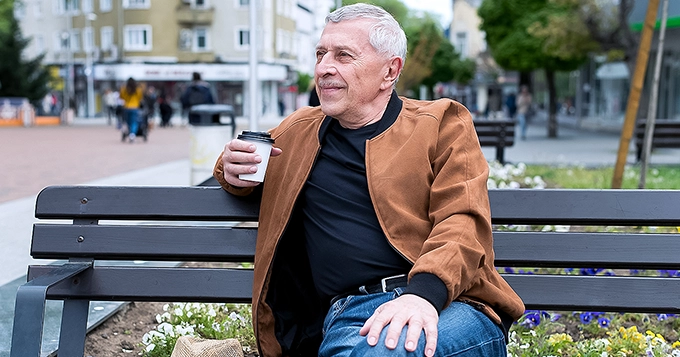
(463,331)
(522,118)
(132,120)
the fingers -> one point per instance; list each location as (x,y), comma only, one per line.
(408,310)
(239,157)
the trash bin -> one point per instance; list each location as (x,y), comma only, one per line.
(209,134)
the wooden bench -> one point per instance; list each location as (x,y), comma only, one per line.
(666,134)
(497,133)
(102,224)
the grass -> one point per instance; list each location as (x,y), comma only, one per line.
(658,177)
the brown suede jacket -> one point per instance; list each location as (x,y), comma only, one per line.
(427,178)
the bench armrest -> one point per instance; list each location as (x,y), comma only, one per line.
(29,311)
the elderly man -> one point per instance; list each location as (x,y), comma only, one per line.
(374,235)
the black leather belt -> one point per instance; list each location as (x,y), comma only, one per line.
(384,285)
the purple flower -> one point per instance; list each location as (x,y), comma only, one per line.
(509,270)
(585,317)
(532,319)
(603,322)
(590,271)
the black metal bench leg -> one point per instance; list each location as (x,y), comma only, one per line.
(500,154)
(29,311)
(73,327)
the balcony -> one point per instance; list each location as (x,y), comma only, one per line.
(195,16)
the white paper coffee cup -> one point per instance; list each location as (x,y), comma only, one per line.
(264,142)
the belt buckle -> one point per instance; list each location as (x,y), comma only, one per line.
(383,281)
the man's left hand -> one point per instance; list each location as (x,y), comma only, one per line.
(408,309)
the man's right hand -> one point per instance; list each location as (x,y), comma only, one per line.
(239,157)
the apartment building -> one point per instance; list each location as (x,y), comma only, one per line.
(161,42)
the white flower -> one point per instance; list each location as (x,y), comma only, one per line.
(150,347)
(562,228)
(514,184)
(166,328)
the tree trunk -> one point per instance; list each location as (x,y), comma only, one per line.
(552,104)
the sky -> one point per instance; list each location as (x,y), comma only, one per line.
(443,8)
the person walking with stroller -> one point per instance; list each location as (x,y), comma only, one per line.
(132,94)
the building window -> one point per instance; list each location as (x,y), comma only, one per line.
(39,44)
(200,4)
(72,6)
(19,10)
(75,40)
(37,9)
(88,39)
(201,39)
(461,44)
(138,38)
(106,37)
(61,41)
(136,4)
(243,40)
(87,6)
(105,5)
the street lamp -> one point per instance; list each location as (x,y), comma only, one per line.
(89,71)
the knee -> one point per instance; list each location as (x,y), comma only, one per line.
(380,350)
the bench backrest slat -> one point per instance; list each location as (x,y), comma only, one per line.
(597,293)
(153,284)
(146,242)
(587,250)
(586,207)
(144,203)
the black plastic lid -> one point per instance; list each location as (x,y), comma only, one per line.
(256,135)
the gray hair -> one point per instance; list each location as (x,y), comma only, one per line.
(386,35)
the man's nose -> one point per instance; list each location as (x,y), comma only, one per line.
(325,66)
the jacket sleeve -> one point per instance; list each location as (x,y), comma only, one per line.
(459,248)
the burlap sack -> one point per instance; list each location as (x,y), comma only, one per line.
(197,347)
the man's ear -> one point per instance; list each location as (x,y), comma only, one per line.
(394,67)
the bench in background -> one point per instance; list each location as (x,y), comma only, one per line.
(199,224)
(666,134)
(497,133)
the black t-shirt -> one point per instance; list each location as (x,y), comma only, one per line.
(345,243)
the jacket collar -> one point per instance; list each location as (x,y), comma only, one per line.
(389,117)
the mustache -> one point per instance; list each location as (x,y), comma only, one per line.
(330,83)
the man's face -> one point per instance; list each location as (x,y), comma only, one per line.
(349,73)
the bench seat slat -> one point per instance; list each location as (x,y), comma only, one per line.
(153,284)
(597,293)
(144,203)
(145,242)
(585,207)
(591,250)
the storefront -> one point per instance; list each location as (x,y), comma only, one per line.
(229,82)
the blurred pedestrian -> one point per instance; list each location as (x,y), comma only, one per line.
(511,104)
(165,109)
(149,105)
(111,99)
(132,94)
(523,106)
(197,93)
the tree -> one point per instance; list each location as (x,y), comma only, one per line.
(528,35)
(19,77)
